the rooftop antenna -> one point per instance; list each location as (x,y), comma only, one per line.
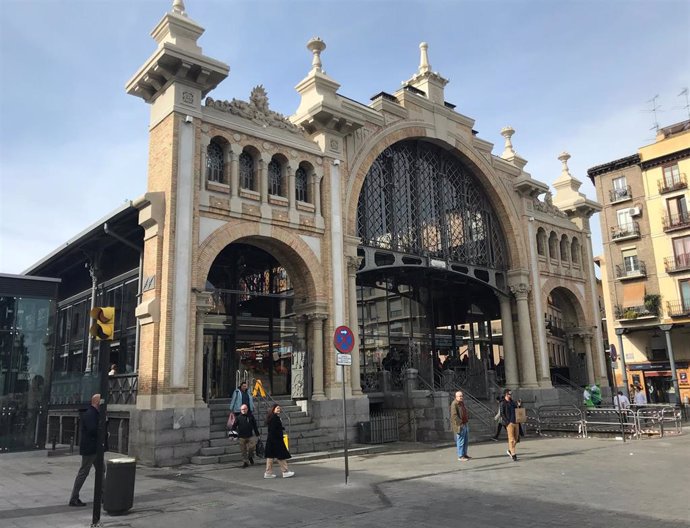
(655,108)
(684,92)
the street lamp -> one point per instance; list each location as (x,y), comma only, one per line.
(666,329)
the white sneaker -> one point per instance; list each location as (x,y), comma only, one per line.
(288,474)
(269,475)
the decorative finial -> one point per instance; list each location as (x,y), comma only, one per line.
(508,151)
(424,65)
(316,46)
(178,8)
(564,157)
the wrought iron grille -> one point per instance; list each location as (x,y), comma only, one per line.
(301,185)
(214,163)
(274,178)
(419,199)
(247,171)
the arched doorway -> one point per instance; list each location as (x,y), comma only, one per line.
(433,261)
(251,332)
(565,338)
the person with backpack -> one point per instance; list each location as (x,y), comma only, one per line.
(240,397)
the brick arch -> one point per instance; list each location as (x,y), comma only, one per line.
(506,211)
(574,297)
(289,249)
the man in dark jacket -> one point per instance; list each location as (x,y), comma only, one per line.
(88,447)
(507,411)
(246,427)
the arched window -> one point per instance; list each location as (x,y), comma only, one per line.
(275,178)
(215,165)
(541,242)
(247,171)
(301,184)
(564,248)
(575,251)
(553,246)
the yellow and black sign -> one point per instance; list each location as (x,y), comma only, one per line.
(259,389)
(103,323)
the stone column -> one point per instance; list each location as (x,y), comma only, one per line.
(509,356)
(528,368)
(316,191)
(300,371)
(204,304)
(262,173)
(317,320)
(290,179)
(353,264)
(591,375)
(235,151)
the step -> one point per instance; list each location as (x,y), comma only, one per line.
(218,434)
(212,451)
(202,460)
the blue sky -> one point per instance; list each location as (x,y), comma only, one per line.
(572,76)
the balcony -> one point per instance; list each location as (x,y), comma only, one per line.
(632,313)
(677,263)
(625,231)
(678,308)
(626,272)
(673,222)
(672,184)
(620,195)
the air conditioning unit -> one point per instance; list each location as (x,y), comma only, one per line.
(635,211)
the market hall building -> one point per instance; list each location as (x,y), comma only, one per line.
(259,234)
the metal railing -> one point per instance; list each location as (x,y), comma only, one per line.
(629,230)
(677,263)
(629,272)
(677,308)
(619,195)
(671,222)
(560,418)
(123,389)
(672,184)
(382,427)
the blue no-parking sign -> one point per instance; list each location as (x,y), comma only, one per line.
(344,340)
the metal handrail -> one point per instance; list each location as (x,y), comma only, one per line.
(569,383)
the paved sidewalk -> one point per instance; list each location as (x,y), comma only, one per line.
(557,482)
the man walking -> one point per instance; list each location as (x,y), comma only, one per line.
(246,427)
(458,421)
(621,402)
(507,410)
(88,447)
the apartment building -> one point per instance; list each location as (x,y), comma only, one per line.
(645,265)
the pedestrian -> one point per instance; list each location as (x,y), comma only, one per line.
(497,419)
(240,397)
(640,397)
(458,421)
(113,370)
(275,444)
(621,402)
(88,447)
(508,407)
(245,425)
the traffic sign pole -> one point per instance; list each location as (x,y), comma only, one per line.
(344,341)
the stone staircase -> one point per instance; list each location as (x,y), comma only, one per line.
(303,436)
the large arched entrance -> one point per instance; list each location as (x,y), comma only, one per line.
(433,263)
(566,339)
(251,331)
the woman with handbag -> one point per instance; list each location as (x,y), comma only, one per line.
(275,445)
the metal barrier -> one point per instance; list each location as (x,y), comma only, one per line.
(561,418)
(382,427)
(610,420)
(654,419)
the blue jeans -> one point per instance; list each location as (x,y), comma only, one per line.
(461,440)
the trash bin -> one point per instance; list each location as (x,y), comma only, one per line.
(118,496)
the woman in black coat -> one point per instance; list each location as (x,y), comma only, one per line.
(275,445)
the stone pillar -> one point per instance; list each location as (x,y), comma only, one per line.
(262,177)
(317,320)
(316,192)
(290,179)
(528,369)
(235,151)
(591,375)
(353,264)
(301,385)
(509,356)
(204,304)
